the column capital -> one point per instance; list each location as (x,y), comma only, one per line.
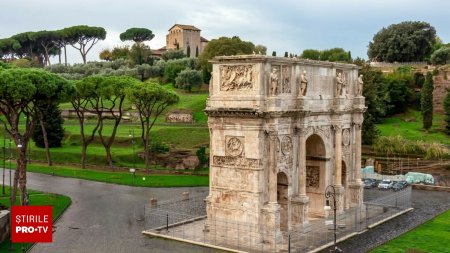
(337,126)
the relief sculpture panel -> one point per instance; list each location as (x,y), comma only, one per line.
(285,146)
(236,77)
(234,146)
(312,176)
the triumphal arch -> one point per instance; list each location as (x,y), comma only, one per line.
(282,130)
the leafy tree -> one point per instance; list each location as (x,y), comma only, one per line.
(111,93)
(286,54)
(311,54)
(172,54)
(404,42)
(8,48)
(48,40)
(274,53)
(20,91)
(25,45)
(261,49)
(188,78)
(188,51)
(172,69)
(51,132)
(441,56)
(447,113)
(335,54)
(122,52)
(102,96)
(105,55)
(375,103)
(150,100)
(397,92)
(138,35)
(223,46)
(61,43)
(83,38)
(140,53)
(426,102)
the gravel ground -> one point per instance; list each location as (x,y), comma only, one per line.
(426,204)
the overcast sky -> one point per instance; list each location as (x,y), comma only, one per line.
(281,25)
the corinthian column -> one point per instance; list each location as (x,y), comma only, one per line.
(338,155)
(357,152)
(302,163)
(272,167)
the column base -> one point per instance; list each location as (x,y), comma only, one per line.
(340,194)
(299,213)
(270,225)
(356,193)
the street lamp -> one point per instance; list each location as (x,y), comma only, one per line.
(131,135)
(134,174)
(331,192)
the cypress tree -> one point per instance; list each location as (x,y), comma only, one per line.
(286,54)
(53,123)
(188,51)
(274,53)
(426,102)
(196,52)
(447,113)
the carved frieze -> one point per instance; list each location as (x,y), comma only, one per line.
(241,162)
(346,137)
(286,145)
(285,80)
(236,77)
(324,131)
(312,176)
(284,153)
(234,146)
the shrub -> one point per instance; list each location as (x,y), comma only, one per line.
(441,56)
(188,78)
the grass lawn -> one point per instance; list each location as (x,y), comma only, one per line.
(432,236)
(412,130)
(36,198)
(124,178)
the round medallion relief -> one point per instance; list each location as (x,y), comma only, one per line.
(346,137)
(286,145)
(235,146)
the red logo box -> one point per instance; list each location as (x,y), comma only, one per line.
(31,224)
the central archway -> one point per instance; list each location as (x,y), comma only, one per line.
(315,174)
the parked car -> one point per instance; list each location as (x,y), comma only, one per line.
(385,184)
(370,183)
(400,185)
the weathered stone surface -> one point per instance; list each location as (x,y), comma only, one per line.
(180,116)
(4,225)
(281,130)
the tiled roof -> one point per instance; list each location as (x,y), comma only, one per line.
(185,27)
(203,39)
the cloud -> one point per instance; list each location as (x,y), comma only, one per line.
(283,25)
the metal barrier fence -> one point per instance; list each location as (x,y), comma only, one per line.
(186,219)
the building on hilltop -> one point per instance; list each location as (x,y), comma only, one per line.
(184,37)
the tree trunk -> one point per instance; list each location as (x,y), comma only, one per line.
(22,169)
(109,157)
(65,55)
(44,133)
(59,56)
(83,154)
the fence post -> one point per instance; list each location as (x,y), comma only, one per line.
(289,243)
(167,222)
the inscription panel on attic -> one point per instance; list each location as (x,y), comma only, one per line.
(236,78)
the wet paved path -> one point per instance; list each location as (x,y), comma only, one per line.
(102,217)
